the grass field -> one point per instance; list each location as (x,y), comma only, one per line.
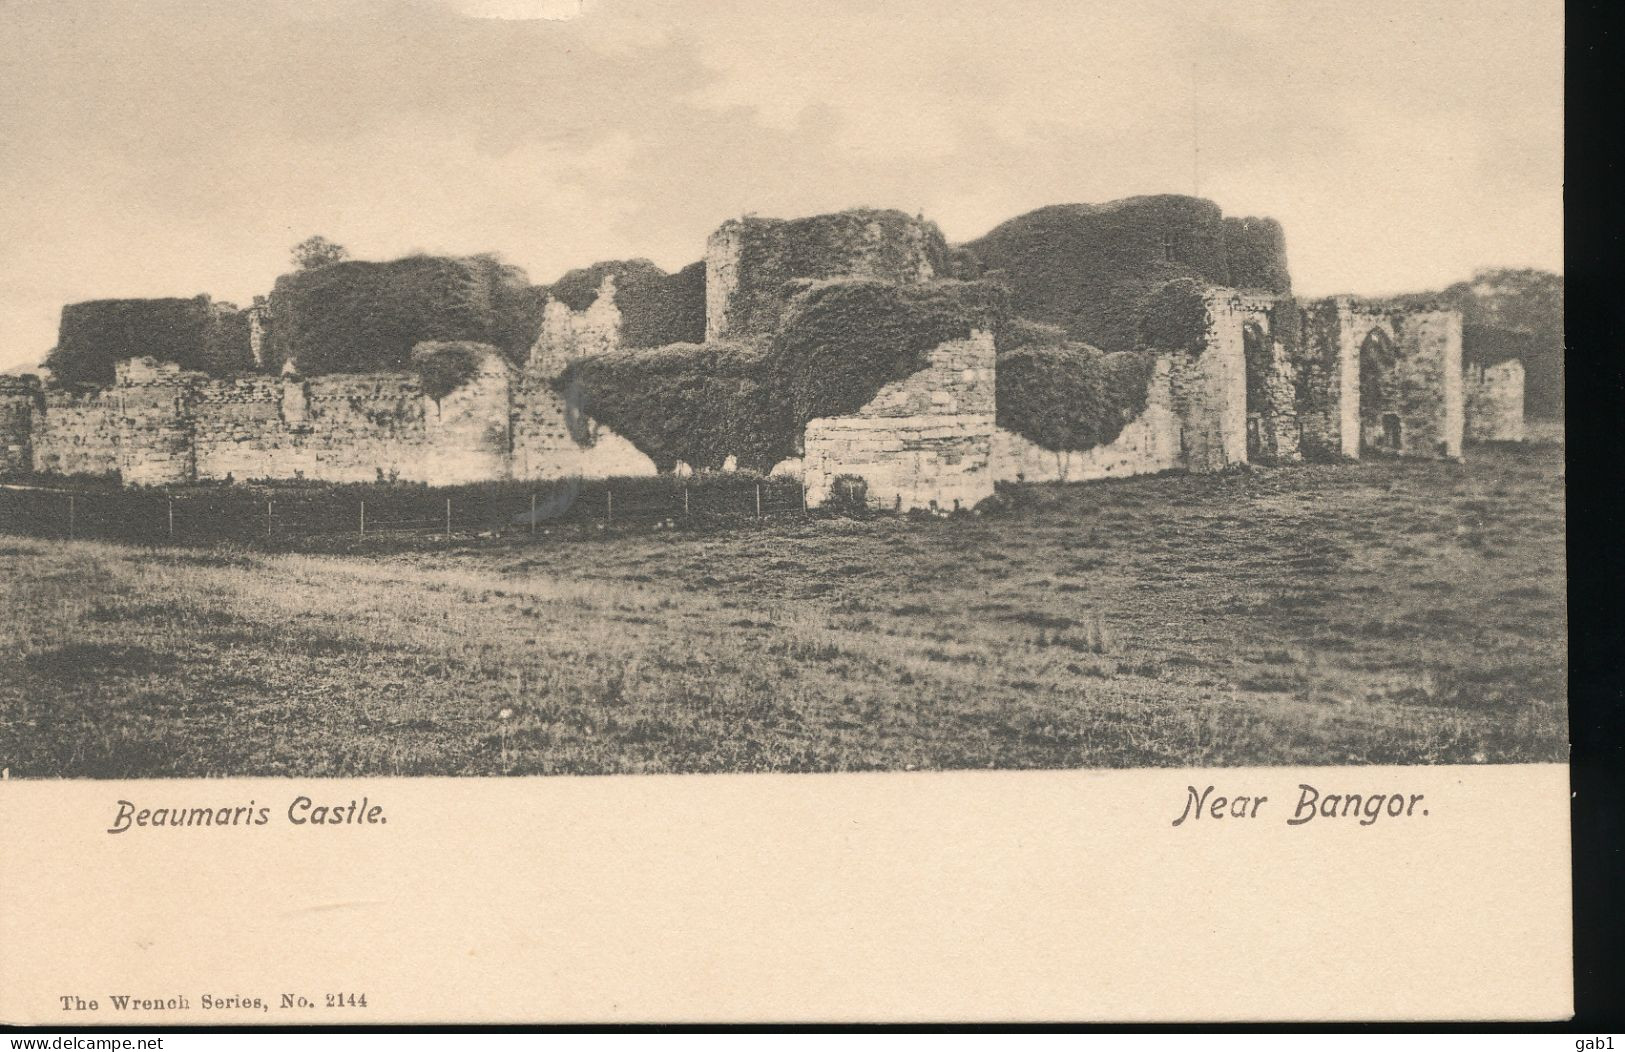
(1381,612)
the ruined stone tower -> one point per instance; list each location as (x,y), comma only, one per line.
(749,260)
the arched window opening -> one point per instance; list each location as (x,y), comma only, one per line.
(1257,361)
(1380,422)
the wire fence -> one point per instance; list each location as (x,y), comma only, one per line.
(280,515)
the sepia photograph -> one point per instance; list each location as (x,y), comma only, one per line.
(590,387)
(637,512)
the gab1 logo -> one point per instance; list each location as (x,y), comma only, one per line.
(1592,1044)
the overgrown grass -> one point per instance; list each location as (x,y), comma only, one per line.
(1306,615)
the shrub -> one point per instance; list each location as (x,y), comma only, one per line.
(1174,318)
(1091,268)
(1072,396)
(848,494)
(444,367)
(698,403)
(359,316)
(841,342)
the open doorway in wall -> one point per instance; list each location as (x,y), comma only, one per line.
(1256,355)
(1380,425)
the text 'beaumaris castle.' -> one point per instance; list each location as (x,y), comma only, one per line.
(1073,342)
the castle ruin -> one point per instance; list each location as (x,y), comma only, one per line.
(1266,379)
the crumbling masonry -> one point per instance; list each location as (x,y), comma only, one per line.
(1271,380)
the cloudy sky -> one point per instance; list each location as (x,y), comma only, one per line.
(170,147)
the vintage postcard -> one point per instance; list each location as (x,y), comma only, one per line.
(706,510)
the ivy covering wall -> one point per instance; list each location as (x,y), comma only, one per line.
(656,308)
(1068,395)
(1173,317)
(195,333)
(1255,254)
(695,403)
(358,316)
(841,342)
(885,244)
(1092,268)
(1492,345)
(443,367)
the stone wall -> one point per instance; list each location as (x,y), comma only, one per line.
(1272,382)
(162,425)
(344,428)
(468,434)
(922,442)
(74,431)
(1327,372)
(1493,402)
(1434,399)
(748,261)
(153,410)
(553,439)
(1208,391)
(242,432)
(1148,444)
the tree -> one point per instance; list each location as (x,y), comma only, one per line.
(317,251)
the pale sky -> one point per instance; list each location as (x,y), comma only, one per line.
(171,147)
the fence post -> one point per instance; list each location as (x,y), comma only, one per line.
(363,518)
(171,518)
(609,507)
(685,500)
(448,520)
(269,519)
(803,496)
(71,511)
(533,513)
(758,502)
